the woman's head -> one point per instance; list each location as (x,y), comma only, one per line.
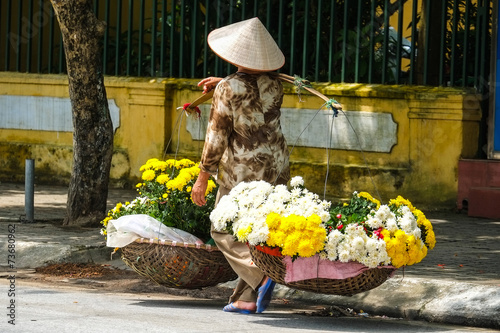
(247,44)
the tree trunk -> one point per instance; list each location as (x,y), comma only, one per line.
(93,130)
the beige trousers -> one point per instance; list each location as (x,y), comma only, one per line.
(238,256)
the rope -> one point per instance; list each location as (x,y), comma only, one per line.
(300,84)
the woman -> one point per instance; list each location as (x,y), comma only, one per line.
(244,141)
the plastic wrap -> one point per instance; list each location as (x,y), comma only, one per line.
(128,228)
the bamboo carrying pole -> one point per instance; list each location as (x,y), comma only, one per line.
(299,83)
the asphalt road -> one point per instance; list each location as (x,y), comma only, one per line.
(40,308)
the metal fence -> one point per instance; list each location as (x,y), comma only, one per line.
(438,42)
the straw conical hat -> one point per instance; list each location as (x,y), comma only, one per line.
(247,44)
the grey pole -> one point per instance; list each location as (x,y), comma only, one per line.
(29,190)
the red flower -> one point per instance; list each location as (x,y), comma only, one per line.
(340,226)
(339,216)
(196,109)
(378,233)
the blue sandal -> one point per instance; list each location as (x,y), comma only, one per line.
(264,295)
(232,308)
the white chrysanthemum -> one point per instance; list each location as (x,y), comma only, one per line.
(280,194)
(391,225)
(404,210)
(358,243)
(371,245)
(353,230)
(258,235)
(344,256)
(324,216)
(326,204)
(295,193)
(408,222)
(331,253)
(374,223)
(371,262)
(297,181)
(335,235)
(225,212)
(383,213)
(417,233)
(242,223)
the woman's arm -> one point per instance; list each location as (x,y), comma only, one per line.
(209,83)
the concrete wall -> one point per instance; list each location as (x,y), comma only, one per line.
(390,140)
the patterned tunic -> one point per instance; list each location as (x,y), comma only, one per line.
(244,141)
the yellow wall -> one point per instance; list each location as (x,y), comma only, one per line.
(435,128)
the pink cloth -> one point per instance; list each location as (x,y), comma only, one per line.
(314,267)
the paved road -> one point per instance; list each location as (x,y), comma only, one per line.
(43,309)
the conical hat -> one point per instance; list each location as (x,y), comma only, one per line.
(247,44)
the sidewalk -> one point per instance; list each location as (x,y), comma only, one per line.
(457,283)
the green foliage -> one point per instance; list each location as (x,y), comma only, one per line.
(353,212)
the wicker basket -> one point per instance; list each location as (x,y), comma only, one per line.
(274,267)
(172,265)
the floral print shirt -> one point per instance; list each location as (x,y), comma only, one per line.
(244,141)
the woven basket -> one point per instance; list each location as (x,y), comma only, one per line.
(274,267)
(172,265)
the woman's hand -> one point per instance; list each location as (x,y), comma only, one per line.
(200,188)
(209,83)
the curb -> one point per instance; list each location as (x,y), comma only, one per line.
(446,302)
(34,254)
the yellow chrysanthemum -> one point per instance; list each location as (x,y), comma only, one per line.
(276,238)
(296,235)
(273,221)
(106,220)
(401,201)
(184,163)
(430,239)
(148,165)
(162,179)
(385,233)
(210,186)
(148,175)
(400,235)
(243,233)
(160,166)
(369,197)
(306,249)
(117,207)
(299,222)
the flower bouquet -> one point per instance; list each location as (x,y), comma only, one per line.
(165,232)
(165,194)
(305,243)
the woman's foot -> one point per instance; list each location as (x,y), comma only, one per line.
(241,307)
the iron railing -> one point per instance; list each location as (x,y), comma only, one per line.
(438,42)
